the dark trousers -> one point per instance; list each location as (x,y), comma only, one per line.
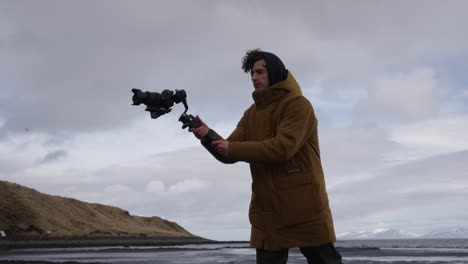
(324,254)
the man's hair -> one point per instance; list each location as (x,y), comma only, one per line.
(275,68)
(250,58)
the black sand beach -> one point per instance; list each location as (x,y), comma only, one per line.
(199,250)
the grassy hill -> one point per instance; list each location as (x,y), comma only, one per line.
(27,212)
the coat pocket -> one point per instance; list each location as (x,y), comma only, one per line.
(297,200)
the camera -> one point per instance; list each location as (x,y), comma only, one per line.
(158,104)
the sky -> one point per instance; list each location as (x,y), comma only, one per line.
(387,80)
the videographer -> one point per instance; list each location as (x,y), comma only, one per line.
(278,137)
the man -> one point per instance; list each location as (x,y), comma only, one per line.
(278,137)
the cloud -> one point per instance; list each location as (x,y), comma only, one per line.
(187,186)
(118,189)
(442,135)
(86,83)
(80,72)
(352,152)
(402,191)
(402,97)
(155,187)
(22,152)
(54,155)
(9,166)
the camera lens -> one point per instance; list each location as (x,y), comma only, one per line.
(138,96)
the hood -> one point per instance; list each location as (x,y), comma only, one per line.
(277,90)
(276,70)
(289,84)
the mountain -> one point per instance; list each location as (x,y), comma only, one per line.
(388,233)
(27,212)
(451,232)
(384,233)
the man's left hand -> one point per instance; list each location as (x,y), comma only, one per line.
(221,146)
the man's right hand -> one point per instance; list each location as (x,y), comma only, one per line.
(200,131)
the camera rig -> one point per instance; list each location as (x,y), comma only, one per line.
(159,104)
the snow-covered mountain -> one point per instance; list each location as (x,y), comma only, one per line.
(383,233)
(389,233)
(451,232)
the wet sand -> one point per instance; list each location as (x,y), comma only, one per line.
(196,250)
(239,255)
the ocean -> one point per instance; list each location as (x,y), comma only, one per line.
(410,251)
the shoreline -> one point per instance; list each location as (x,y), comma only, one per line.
(70,242)
(43,262)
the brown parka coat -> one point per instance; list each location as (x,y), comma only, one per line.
(278,137)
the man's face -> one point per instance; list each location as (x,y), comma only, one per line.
(259,75)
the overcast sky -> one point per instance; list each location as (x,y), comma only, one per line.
(387,80)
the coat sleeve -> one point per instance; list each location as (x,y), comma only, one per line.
(296,126)
(237,135)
